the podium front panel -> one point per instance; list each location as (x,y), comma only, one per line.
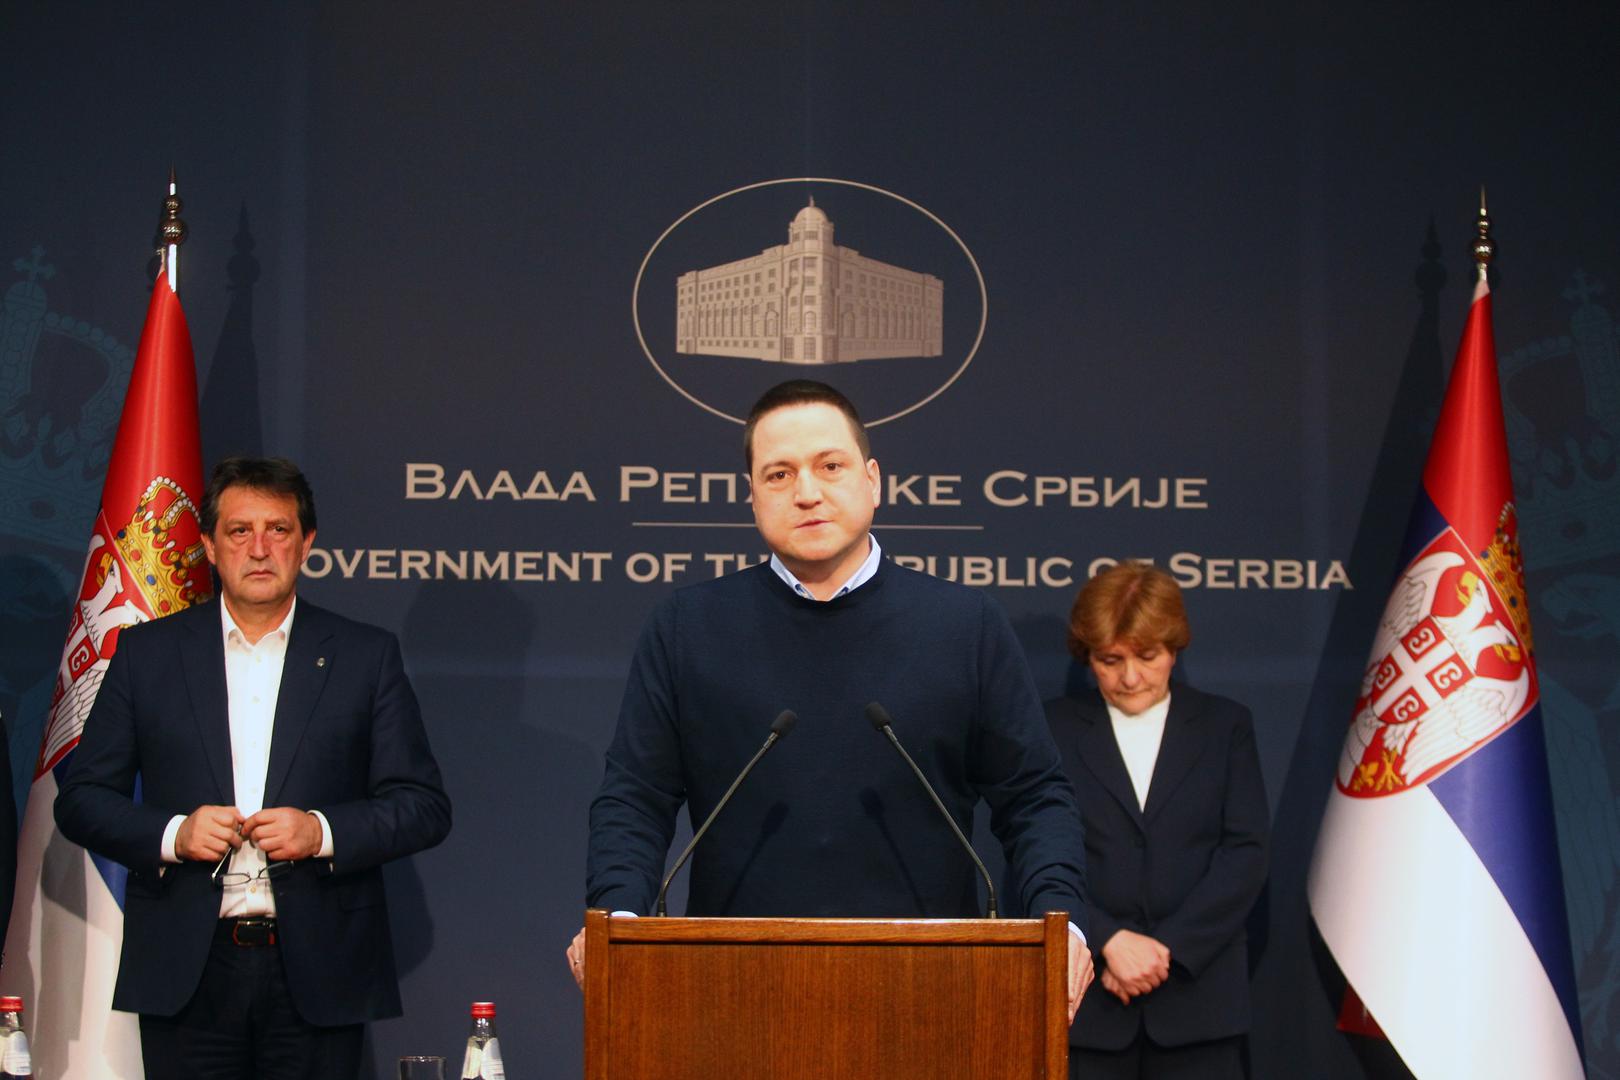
(811,999)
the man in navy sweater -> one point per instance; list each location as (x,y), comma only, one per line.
(832,823)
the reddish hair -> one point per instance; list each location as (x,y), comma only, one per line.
(1130,602)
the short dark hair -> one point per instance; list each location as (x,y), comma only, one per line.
(276,475)
(802,392)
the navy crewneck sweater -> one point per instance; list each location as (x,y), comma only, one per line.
(832,822)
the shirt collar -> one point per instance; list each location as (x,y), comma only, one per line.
(1153,714)
(861,576)
(229,627)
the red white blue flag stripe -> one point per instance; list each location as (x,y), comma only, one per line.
(1436,881)
(144,561)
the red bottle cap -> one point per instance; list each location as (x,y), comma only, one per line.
(483,1008)
(14,1004)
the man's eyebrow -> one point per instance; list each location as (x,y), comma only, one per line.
(278,519)
(816,455)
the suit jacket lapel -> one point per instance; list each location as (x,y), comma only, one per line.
(1102,757)
(1179,750)
(202,659)
(303,677)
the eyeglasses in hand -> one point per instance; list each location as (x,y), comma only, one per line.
(232,879)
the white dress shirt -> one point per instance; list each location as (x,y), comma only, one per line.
(1139,737)
(252,686)
(861,576)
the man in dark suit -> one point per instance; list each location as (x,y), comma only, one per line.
(1177,826)
(281,760)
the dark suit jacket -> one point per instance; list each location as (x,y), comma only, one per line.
(1185,871)
(347,741)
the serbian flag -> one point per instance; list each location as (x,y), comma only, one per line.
(1435,881)
(145,560)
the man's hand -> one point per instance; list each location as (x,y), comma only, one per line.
(1080,972)
(1111,984)
(1139,963)
(576,958)
(284,833)
(208,833)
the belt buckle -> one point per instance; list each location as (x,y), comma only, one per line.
(250,933)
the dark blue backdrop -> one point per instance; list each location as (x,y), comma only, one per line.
(1226,245)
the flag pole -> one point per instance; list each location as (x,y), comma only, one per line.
(144,560)
(173,231)
(1484,245)
(1442,795)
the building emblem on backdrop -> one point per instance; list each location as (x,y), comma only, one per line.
(809,301)
(738,313)
(61,388)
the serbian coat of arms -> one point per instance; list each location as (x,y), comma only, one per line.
(1450,669)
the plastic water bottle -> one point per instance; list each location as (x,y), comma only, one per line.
(15,1060)
(483,1060)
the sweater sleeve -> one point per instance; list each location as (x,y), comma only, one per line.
(1017,771)
(632,817)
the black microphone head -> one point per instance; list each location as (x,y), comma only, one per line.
(784,722)
(878,716)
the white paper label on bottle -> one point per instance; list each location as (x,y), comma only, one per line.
(15,1059)
(483,1064)
(492,1068)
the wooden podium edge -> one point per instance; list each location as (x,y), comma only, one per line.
(1056,949)
(1051,931)
(598,1002)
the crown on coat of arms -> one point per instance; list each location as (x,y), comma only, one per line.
(163,570)
(1504,562)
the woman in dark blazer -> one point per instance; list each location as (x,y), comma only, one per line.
(1176,833)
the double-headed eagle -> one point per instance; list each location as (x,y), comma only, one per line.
(1424,702)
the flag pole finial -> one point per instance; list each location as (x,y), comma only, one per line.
(172,230)
(1484,246)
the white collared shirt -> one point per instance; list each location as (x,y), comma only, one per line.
(1139,737)
(861,576)
(252,687)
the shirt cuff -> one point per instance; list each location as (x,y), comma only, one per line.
(326,836)
(626,914)
(166,852)
(1075,930)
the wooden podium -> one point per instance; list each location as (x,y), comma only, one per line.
(815,999)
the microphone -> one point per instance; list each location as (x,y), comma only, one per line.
(779,727)
(878,717)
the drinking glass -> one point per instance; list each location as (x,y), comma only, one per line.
(418,1067)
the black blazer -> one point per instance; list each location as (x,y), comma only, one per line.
(347,741)
(1185,871)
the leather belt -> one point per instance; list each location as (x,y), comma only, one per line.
(249,933)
